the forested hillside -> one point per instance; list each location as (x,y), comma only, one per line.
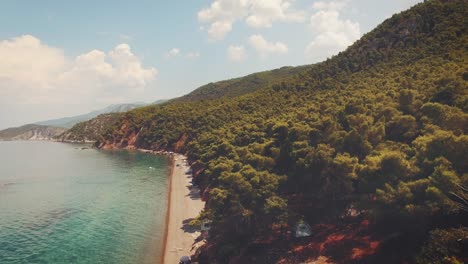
(240,86)
(369,148)
(89,131)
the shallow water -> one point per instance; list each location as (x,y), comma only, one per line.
(60,203)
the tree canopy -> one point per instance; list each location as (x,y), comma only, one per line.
(381,127)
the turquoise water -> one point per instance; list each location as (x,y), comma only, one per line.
(63,204)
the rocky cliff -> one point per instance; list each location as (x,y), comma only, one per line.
(31,132)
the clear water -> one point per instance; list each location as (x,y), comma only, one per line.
(62,204)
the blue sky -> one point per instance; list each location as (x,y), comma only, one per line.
(62,58)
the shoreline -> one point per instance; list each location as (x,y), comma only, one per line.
(166,221)
(184,204)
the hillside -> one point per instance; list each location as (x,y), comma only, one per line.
(89,131)
(68,122)
(239,86)
(31,132)
(56,128)
(369,148)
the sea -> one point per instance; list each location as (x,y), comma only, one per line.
(69,203)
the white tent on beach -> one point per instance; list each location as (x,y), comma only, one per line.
(302,230)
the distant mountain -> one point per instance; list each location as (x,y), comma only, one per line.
(31,132)
(56,128)
(160,101)
(69,122)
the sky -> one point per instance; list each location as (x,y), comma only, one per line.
(62,58)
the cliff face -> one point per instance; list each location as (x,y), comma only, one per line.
(31,132)
(123,143)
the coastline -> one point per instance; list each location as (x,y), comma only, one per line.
(166,221)
(184,204)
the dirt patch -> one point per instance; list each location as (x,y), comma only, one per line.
(330,243)
(180,144)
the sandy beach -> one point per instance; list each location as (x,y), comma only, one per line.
(184,205)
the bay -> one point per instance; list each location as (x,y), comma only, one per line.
(65,203)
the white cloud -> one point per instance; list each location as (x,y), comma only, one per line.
(24,60)
(222,14)
(265,47)
(333,34)
(264,12)
(330,5)
(193,55)
(237,53)
(32,72)
(219,29)
(174,52)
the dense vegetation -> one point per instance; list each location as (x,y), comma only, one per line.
(239,86)
(90,130)
(380,129)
